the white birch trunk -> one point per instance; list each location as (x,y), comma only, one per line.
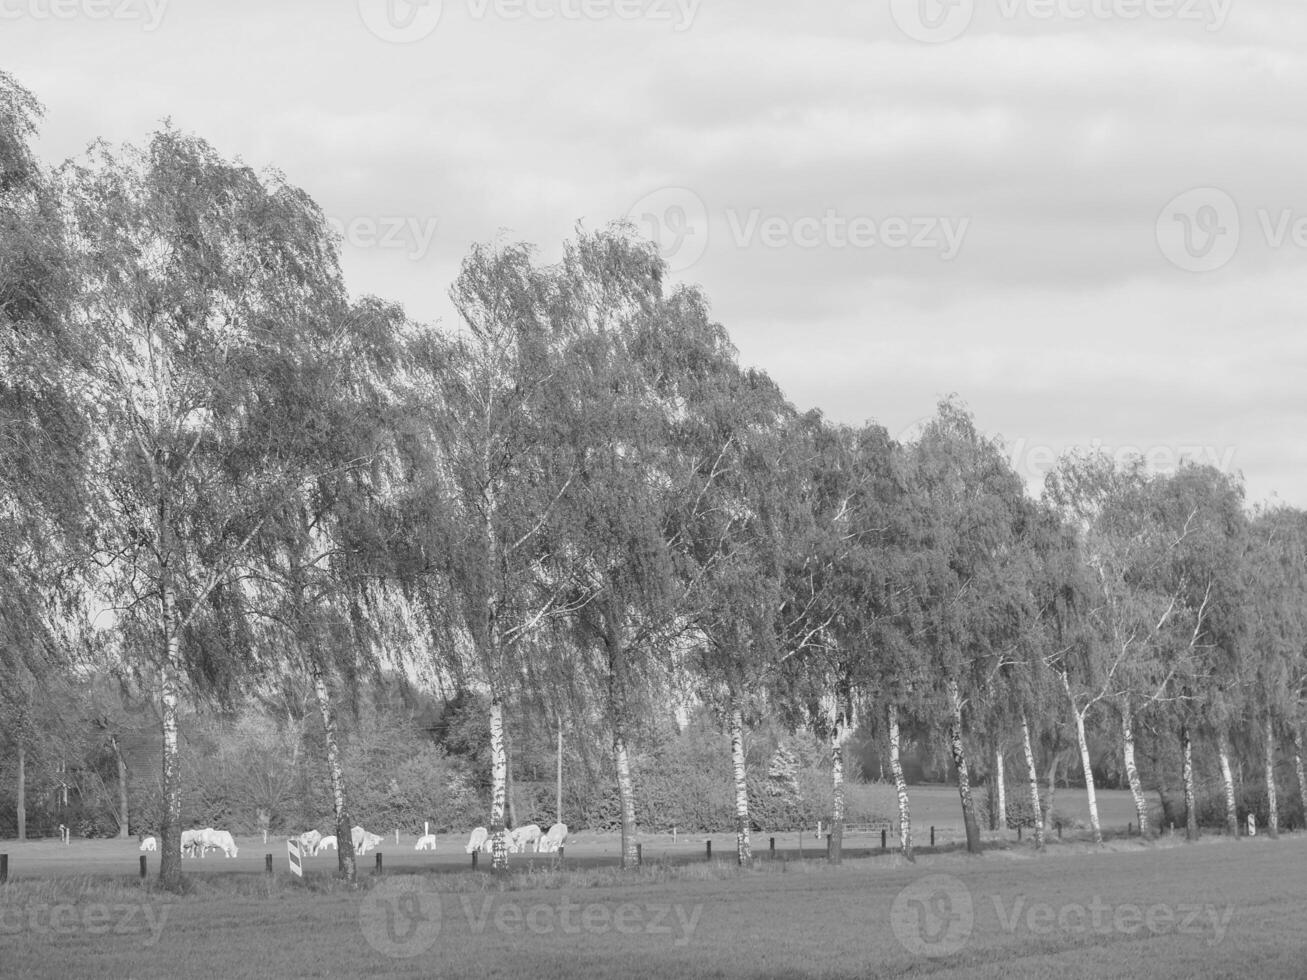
(1033,775)
(1089,775)
(837,739)
(346,865)
(1000,788)
(960,763)
(1302,775)
(626,793)
(1190,797)
(1132,771)
(1272,799)
(900,784)
(1227,779)
(170,830)
(1052,793)
(742,849)
(498,785)
(22,789)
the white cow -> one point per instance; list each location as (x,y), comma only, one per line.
(554,839)
(427,842)
(477,840)
(309,841)
(327,842)
(220,840)
(149,844)
(363,840)
(192,843)
(522,836)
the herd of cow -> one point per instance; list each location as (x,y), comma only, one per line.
(196,843)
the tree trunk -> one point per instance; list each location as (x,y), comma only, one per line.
(1000,790)
(509,800)
(837,791)
(626,793)
(1132,771)
(22,790)
(1302,776)
(900,784)
(1052,791)
(498,785)
(1190,800)
(1227,778)
(960,765)
(1033,774)
(1272,801)
(170,830)
(742,849)
(345,863)
(1089,775)
(1168,805)
(122,786)
(558,785)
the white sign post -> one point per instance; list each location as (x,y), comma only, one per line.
(294,857)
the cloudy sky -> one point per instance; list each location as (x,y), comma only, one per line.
(1088,218)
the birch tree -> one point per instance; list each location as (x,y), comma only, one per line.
(199,275)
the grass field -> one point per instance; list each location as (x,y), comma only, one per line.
(1216,908)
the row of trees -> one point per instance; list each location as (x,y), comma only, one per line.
(223,476)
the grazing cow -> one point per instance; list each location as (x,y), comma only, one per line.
(522,836)
(149,844)
(427,842)
(477,840)
(363,840)
(327,842)
(309,841)
(555,839)
(219,840)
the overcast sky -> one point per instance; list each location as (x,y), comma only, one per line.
(1088,218)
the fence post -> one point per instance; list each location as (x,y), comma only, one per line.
(932,836)
(267,864)
(561,850)
(709,846)
(771,847)
(639,853)
(143,871)
(4,868)
(378,862)
(882,839)
(1018,833)
(474,858)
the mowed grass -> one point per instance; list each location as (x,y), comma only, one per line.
(1218,908)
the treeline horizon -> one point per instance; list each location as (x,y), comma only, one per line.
(223,475)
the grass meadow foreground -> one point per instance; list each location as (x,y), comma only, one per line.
(1218,908)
